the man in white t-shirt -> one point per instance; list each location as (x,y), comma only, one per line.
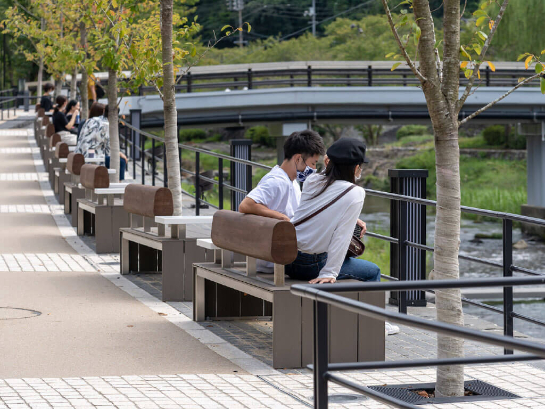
(278,193)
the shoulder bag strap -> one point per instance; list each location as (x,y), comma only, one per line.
(323,208)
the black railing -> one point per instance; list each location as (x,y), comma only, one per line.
(310,77)
(7,103)
(128,135)
(322,296)
(506,266)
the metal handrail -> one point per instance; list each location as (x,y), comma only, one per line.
(322,296)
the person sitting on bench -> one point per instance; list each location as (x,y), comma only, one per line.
(277,194)
(45,101)
(94,141)
(331,203)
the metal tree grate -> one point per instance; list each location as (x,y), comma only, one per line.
(407,393)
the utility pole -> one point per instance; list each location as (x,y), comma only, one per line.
(237,5)
(313,18)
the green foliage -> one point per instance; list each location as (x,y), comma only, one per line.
(193,134)
(409,130)
(495,184)
(516,141)
(414,140)
(494,135)
(260,136)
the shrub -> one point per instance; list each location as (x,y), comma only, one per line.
(516,142)
(408,130)
(260,136)
(196,134)
(494,135)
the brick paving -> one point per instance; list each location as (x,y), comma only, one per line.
(242,341)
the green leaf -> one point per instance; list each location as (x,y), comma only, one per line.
(542,84)
(403,11)
(482,35)
(539,68)
(389,55)
(397,64)
(520,57)
(464,52)
(225,27)
(249,27)
(480,21)
(468,73)
(477,48)
(193,51)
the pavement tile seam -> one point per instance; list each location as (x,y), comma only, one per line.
(221,347)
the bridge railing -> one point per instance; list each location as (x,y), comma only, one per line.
(310,77)
(140,156)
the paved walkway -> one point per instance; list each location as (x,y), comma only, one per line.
(87,326)
(77,334)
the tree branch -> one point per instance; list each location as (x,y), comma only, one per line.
(469,85)
(25,9)
(520,84)
(413,68)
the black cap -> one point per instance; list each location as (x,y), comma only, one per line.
(347,151)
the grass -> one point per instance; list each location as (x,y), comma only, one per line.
(494,184)
(412,141)
(426,142)
(378,251)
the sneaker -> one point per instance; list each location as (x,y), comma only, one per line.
(390,329)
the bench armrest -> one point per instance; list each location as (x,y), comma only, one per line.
(110,191)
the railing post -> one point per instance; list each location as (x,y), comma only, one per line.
(241,149)
(250,79)
(369,76)
(408,182)
(133,153)
(321,355)
(136,117)
(143,159)
(153,162)
(402,253)
(309,76)
(487,71)
(507,272)
(26,100)
(220,182)
(165,170)
(197,187)
(189,81)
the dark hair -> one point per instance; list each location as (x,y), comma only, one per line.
(334,172)
(97,109)
(107,111)
(307,143)
(71,103)
(60,100)
(48,87)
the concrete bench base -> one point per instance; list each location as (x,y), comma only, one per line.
(72,192)
(59,179)
(221,293)
(173,257)
(103,222)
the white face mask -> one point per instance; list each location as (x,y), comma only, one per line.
(358,177)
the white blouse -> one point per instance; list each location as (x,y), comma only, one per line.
(330,231)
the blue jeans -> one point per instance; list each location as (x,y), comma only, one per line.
(122,166)
(307,267)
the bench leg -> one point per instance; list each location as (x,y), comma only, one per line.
(80,224)
(173,278)
(192,254)
(199,297)
(124,256)
(286,330)
(67,202)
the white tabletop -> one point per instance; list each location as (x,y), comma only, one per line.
(121,184)
(110,191)
(112,172)
(171,220)
(63,160)
(94,160)
(207,244)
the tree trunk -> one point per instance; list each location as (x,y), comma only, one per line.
(169,107)
(40,78)
(74,83)
(58,87)
(84,77)
(113,121)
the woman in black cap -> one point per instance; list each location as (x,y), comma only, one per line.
(330,206)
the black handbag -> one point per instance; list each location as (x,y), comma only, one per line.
(356,247)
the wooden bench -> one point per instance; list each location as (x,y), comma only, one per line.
(72,190)
(224,289)
(40,113)
(49,155)
(101,213)
(47,132)
(157,242)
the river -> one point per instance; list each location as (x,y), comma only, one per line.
(376,213)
